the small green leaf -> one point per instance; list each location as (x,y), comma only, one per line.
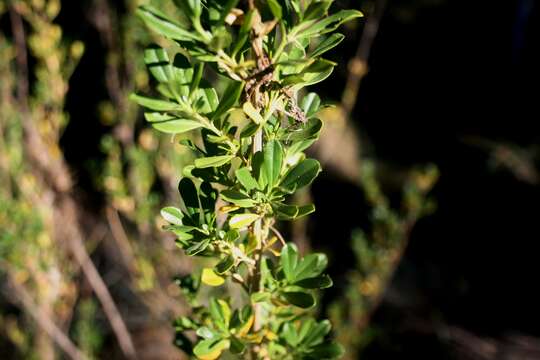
(224,265)
(237,198)
(327,44)
(310,104)
(329,23)
(198,248)
(289,261)
(319,282)
(209,277)
(159,23)
(301,175)
(249,130)
(172,215)
(241,221)
(189,195)
(230,97)
(244,177)
(273,161)
(286,212)
(305,210)
(275,8)
(210,349)
(317,10)
(327,351)
(213,161)
(316,333)
(298,298)
(205,333)
(310,266)
(237,346)
(260,297)
(155,104)
(157,60)
(313,74)
(220,312)
(178,126)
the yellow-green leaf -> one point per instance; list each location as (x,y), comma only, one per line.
(242,220)
(209,277)
(252,113)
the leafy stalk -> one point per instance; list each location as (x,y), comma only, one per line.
(251,160)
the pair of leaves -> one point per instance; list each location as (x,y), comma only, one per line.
(302,273)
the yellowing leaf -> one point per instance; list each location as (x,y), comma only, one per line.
(244,329)
(209,277)
(252,113)
(228,208)
(242,220)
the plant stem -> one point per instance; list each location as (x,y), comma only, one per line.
(257,232)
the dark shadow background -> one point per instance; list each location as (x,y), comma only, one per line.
(441,72)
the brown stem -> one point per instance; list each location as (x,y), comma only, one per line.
(358,64)
(96,281)
(22,296)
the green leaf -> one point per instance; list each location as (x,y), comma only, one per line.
(230,97)
(172,215)
(155,104)
(220,313)
(313,74)
(159,23)
(298,298)
(316,333)
(260,297)
(317,10)
(178,126)
(198,248)
(237,198)
(329,23)
(205,333)
(327,351)
(301,175)
(237,346)
(319,282)
(249,130)
(310,266)
(244,177)
(327,44)
(189,195)
(310,104)
(213,161)
(285,212)
(273,161)
(289,261)
(241,221)
(305,210)
(275,8)
(310,130)
(224,265)
(257,163)
(157,60)
(210,349)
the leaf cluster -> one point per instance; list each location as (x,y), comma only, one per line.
(249,143)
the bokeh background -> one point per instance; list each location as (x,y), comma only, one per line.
(428,205)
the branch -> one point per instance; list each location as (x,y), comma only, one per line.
(43,320)
(97,283)
(358,65)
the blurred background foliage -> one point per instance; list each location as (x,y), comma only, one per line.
(424,183)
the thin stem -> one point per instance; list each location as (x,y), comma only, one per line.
(278,234)
(43,319)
